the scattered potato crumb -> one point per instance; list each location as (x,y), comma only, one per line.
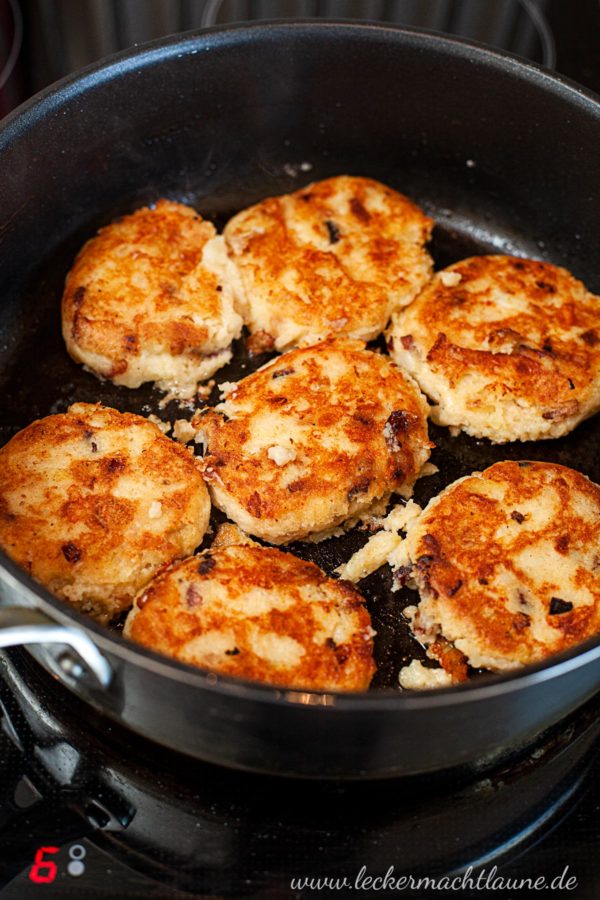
(400,518)
(281,455)
(228,534)
(204,390)
(226,388)
(450,279)
(417,677)
(370,557)
(155,510)
(384,547)
(293,169)
(184,431)
(165,427)
(183,394)
(428,469)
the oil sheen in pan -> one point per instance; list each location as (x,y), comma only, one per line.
(55,381)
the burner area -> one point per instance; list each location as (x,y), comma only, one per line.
(89,807)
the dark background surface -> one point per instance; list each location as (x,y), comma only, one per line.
(156,825)
(59,36)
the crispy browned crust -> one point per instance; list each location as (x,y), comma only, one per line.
(358,428)
(245,598)
(451,660)
(542,352)
(508,563)
(138,288)
(76,504)
(334,257)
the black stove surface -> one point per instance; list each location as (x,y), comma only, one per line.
(89,810)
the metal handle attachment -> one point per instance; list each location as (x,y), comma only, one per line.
(22,625)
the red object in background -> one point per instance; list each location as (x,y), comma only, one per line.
(11,38)
(43,871)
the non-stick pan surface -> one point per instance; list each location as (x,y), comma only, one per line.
(498,152)
(55,381)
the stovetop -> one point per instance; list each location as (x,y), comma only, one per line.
(89,810)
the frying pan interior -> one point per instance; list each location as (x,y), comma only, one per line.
(501,154)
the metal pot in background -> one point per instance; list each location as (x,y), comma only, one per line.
(11,40)
(63,36)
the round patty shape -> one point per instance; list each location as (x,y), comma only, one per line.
(507,563)
(333,258)
(93,502)
(146,300)
(508,348)
(261,614)
(312,439)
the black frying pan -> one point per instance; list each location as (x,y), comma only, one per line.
(503,154)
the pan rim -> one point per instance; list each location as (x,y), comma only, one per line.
(366,701)
(150,52)
(189,43)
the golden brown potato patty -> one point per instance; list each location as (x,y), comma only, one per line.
(312,439)
(335,257)
(148,299)
(507,562)
(93,502)
(507,348)
(261,614)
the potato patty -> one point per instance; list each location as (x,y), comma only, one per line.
(507,348)
(335,257)
(261,614)
(507,563)
(146,300)
(312,439)
(93,502)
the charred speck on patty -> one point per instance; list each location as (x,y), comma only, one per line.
(359,488)
(71,552)
(558,606)
(206,564)
(333,231)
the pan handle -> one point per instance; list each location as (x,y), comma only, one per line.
(22,625)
